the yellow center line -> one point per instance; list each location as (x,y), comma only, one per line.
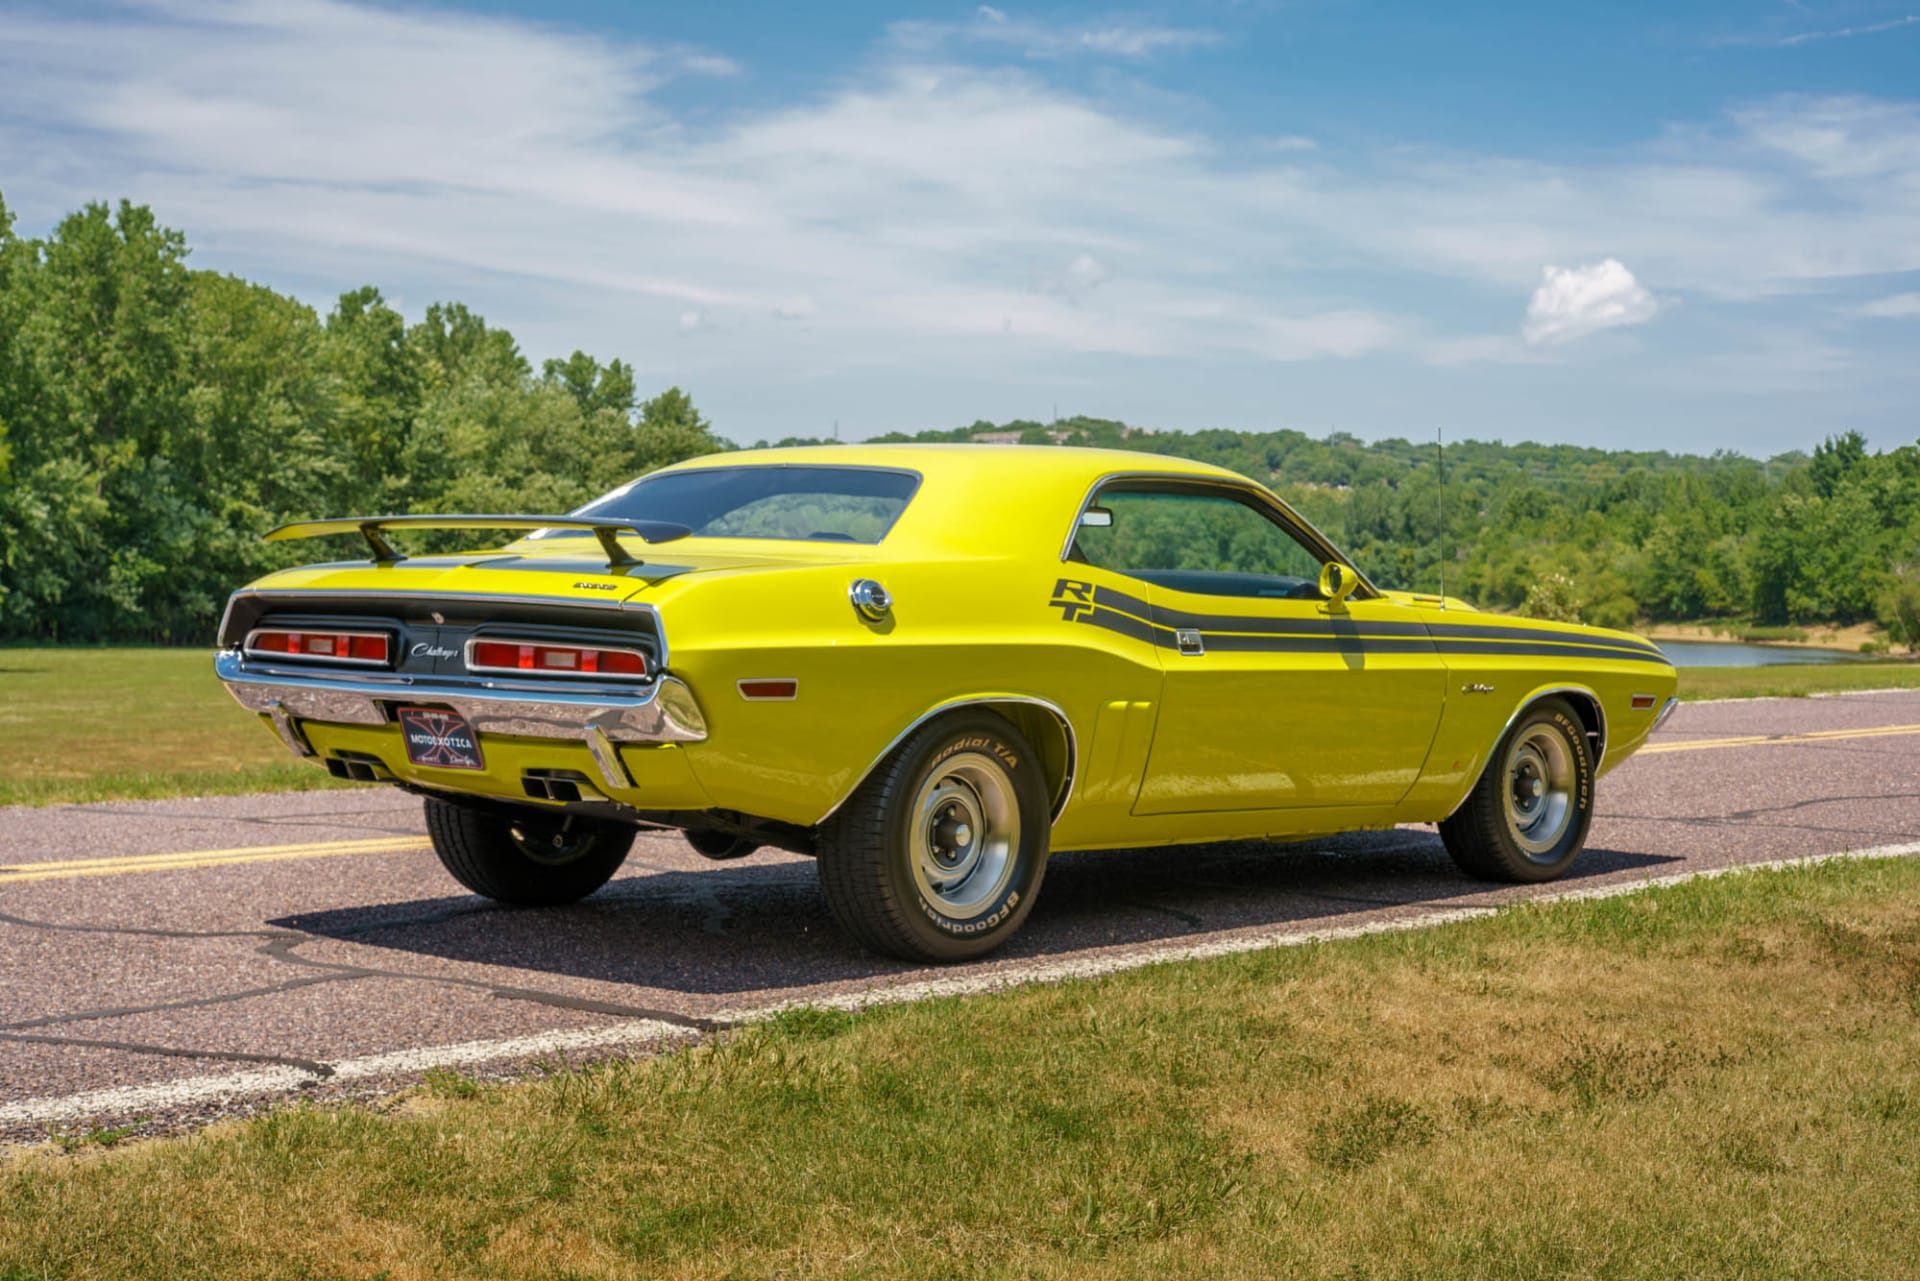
(182,859)
(187,859)
(1765,740)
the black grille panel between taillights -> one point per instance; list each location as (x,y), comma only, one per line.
(442,636)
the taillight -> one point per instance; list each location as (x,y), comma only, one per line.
(366,648)
(545,659)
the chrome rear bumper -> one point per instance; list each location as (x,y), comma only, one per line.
(663,712)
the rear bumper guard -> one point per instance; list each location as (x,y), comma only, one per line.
(663,712)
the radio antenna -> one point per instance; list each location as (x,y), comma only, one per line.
(1440,489)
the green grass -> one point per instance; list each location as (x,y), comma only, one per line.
(129,724)
(1796,680)
(115,724)
(1710,1080)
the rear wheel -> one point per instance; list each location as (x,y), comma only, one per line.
(938,855)
(1527,817)
(526,858)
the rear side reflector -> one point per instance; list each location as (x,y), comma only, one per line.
(769,690)
(547,659)
(367,649)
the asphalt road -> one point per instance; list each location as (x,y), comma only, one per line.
(174,960)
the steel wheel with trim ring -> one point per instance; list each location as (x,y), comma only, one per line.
(1527,817)
(937,856)
(525,857)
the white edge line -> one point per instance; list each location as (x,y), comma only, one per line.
(166,1096)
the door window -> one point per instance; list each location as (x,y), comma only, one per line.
(1195,540)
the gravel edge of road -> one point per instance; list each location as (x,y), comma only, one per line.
(191,1102)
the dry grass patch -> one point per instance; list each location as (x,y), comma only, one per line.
(1713,1079)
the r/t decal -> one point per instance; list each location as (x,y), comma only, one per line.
(1073,598)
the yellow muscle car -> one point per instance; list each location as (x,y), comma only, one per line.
(927,666)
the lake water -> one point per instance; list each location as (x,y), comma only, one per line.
(1736,654)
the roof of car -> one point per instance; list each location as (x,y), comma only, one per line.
(1067,463)
(979,499)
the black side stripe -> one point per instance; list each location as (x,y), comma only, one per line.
(1475,631)
(1126,625)
(1243,642)
(1446,636)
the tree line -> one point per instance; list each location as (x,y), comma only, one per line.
(155,419)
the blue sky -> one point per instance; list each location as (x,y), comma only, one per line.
(1655,226)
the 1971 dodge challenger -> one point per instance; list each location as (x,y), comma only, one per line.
(928,667)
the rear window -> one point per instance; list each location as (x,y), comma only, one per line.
(809,503)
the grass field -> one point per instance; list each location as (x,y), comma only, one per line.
(125,724)
(1796,680)
(112,724)
(1715,1079)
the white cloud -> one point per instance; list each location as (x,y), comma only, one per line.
(1080,277)
(993,27)
(691,320)
(708,64)
(1138,42)
(1573,302)
(1842,139)
(1895,307)
(1842,33)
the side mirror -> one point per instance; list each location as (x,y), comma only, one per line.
(1337,582)
(1096,518)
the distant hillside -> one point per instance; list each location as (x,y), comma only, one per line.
(1620,535)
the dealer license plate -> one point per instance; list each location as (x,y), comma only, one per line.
(440,739)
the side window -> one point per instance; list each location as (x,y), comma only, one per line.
(1196,541)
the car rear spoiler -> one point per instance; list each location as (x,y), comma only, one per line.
(384,553)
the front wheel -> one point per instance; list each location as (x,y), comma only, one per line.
(937,856)
(1526,819)
(530,858)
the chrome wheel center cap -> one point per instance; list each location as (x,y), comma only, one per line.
(952,837)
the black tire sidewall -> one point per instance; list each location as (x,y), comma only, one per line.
(477,846)
(994,737)
(1545,867)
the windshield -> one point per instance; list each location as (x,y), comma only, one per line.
(825,504)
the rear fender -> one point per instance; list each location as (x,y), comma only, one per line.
(1043,723)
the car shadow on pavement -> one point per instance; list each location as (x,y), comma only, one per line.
(762,926)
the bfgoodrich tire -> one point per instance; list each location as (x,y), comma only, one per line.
(1527,818)
(938,855)
(529,858)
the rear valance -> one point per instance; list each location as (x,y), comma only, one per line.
(384,553)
